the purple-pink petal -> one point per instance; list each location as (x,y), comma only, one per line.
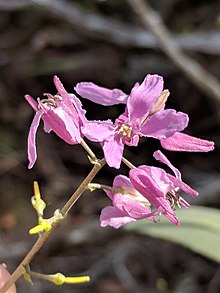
(183,186)
(98,131)
(164,124)
(154,189)
(143,96)
(80,111)
(150,181)
(63,93)
(171,216)
(32,154)
(63,125)
(184,203)
(61,113)
(181,142)
(130,206)
(100,95)
(119,181)
(113,151)
(68,104)
(111,216)
(31,102)
(122,181)
(47,127)
(159,156)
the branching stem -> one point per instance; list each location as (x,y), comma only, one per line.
(44,236)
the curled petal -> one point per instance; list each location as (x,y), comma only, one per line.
(186,188)
(100,95)
(159,156)
(177,181)
(170,215)
(32,153)
(181,142)
(31,102)
(183,202)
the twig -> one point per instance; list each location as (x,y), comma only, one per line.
(121,34)
(92,156)
(128,163)
(193,70)
(43,237)
(96,26)
(13,5)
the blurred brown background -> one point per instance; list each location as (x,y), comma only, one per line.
(103,42)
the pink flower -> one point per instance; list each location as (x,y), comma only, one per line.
(61,113)
(160,188)
(144,116)
(128,205)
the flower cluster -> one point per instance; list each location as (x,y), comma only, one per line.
(148,191)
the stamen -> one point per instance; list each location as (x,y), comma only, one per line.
(125,130)
(48,102)
(170,197)
(173,198)
(58,97)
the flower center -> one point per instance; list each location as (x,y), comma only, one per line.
(173,198)
(125,130)
(50,101)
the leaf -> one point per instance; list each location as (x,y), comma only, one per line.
(199,230)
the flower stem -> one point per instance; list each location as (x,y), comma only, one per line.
(44,236)
(128,163)
(89,151)
(94,186)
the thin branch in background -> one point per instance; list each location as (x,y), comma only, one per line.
(192,69)
(94,25)
(13,5)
